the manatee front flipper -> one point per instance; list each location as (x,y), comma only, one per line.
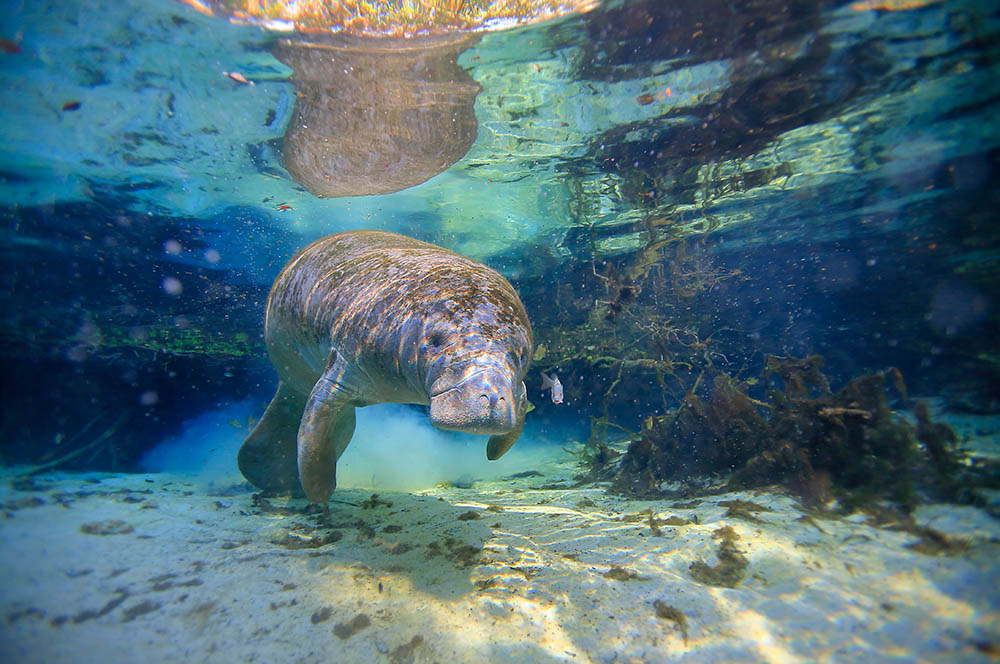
(326,429)
(267,456)
(500,443)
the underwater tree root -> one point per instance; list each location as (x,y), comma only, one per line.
(95,444)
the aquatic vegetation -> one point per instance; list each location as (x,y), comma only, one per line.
(321,615)
(666,612)
(804,436)
(929,541)
(111,527)
(463,555)
(729,571)
(307,540)
(374,501)
(405,652)
(356,624)
(618,573)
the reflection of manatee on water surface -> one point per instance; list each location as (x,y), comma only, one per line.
(376,115)
(381,102)
(367,317)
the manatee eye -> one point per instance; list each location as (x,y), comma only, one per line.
(436,339)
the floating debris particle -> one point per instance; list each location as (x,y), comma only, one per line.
(238,77)
(90,614)
(321,616)
(111,527)
(167,585)
(143,607)
(457,552)
(398,548)
(72,106)
(347,630)
(21,503)
(374,502)
(523,474)
(675,521)
(486,584)
(11,46)
(404,653)
(667,612)
(465,481)
(936,543)
(307,540)
(30,612)
(743,509)
(27,484)
(78,573)
(622,574)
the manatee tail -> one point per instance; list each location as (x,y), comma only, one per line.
(267,456)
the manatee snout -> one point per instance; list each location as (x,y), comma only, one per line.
(484,403)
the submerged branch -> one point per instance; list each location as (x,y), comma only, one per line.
(100,440)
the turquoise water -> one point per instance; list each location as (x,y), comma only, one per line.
(686,196)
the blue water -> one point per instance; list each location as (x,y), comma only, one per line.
(678,192)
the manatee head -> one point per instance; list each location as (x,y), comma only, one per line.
(474,351)
(482,397)
(475,378)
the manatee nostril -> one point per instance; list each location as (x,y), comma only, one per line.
(484,401)
(501,402)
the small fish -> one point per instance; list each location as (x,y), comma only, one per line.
(238,77)
(552,383)
(284,207)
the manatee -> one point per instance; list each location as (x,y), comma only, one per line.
(367,317)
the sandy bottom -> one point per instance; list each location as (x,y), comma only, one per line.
(124,568)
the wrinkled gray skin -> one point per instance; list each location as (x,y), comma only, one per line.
(369,317)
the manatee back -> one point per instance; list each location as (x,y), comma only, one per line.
(370,295)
